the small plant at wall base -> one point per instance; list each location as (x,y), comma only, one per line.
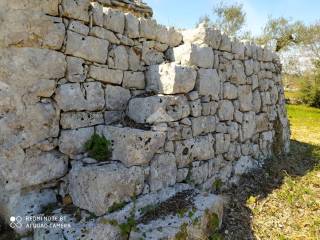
(98,147)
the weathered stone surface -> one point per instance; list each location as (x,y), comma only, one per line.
(97,13)
(134,80)
(222,143)
(262,121)
(208,83)
(150,54)
(195,108)
(163,171)
(226,110)
(248,125)
(193,55)
(158,108)
(199,172)
(100,32)
(118,58)
(237,48)
(131,26)
(170,78)
(106,75)
(114,20)
(25,205)
(243,165)
(203,35)
(96,188)
(132,146)
(73,120)
(225,43)
(116,97)
(148,28)
(78,27)
(230,91)
(21,169)
(112,116)
(76,72)
(202,125)
(256,101)
(248,67)
(238,76)
(71,142)
(198,148)
(77,9)
(70,97)
(245,98)
(87,47)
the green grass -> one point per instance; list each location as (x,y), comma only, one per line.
(292,211)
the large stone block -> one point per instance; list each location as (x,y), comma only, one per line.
(226,110)
(76,71)
(116,97)
(148,28)
(119,58)
(163,171)
(196,149)
(71,142)
(132,26)
(73,120)
(203,35)
(70,97)
(132,146)
(202,125)
(134,80)
(106,75)
(114,20)
(248,125)
(208,83)
(159,108)
(77,9)
(96,188)
(21,169)
(169,78)
(230,91)
(194,55)
(87,47)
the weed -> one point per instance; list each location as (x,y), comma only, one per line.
(98,147)
(116,207)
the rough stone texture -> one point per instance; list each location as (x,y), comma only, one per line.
(134,80)
(116,97)
(132,146)
(156,109)
(202,125)
(73,120)
(114,20)
(105,75)
(226,110)
(96,188)
(208,83)
(163,171)
(170,78)
(87,47)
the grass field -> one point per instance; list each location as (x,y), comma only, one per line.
(282,201)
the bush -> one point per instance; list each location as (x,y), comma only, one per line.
(310,94)
(98,147)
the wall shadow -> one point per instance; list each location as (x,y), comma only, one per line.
(237,222)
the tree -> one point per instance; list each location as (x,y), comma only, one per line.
(230,19)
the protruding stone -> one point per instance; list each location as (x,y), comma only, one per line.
(132,146)
(203,35)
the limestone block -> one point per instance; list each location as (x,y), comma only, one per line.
(262,122)
(118,58)
(226,110)
(198,148)
(245,98)
(225,43)
(116,97)
(193,55)
(100,32)
(76,72)
(233,130)
(208,83)
(21,169)
(132,146)
(199,172)
(112,116)
(131,26)
(151,55)
(238,75)
(203,35)
(134,55)
(248,64)
(163,171)
(202,125)
(77,9)
(169,78)
(78,27)
(222,143)
(104,74)
(244,165)
(96,188)
(25,205)
(24,20)
(195,108)
(73,120)
(256,101)
(182,174)
(70,97)
(148,28)
(114,20)
(97,14)
(134,80)
(89,48)
(237,48)
(248,125)
(230,91)
(159,108)
(71,142)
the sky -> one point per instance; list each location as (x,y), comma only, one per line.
(185,13)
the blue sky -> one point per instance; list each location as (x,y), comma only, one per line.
(184,14)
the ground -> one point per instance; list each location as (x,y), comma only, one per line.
(281,201)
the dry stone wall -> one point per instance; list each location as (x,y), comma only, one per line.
(179,106)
